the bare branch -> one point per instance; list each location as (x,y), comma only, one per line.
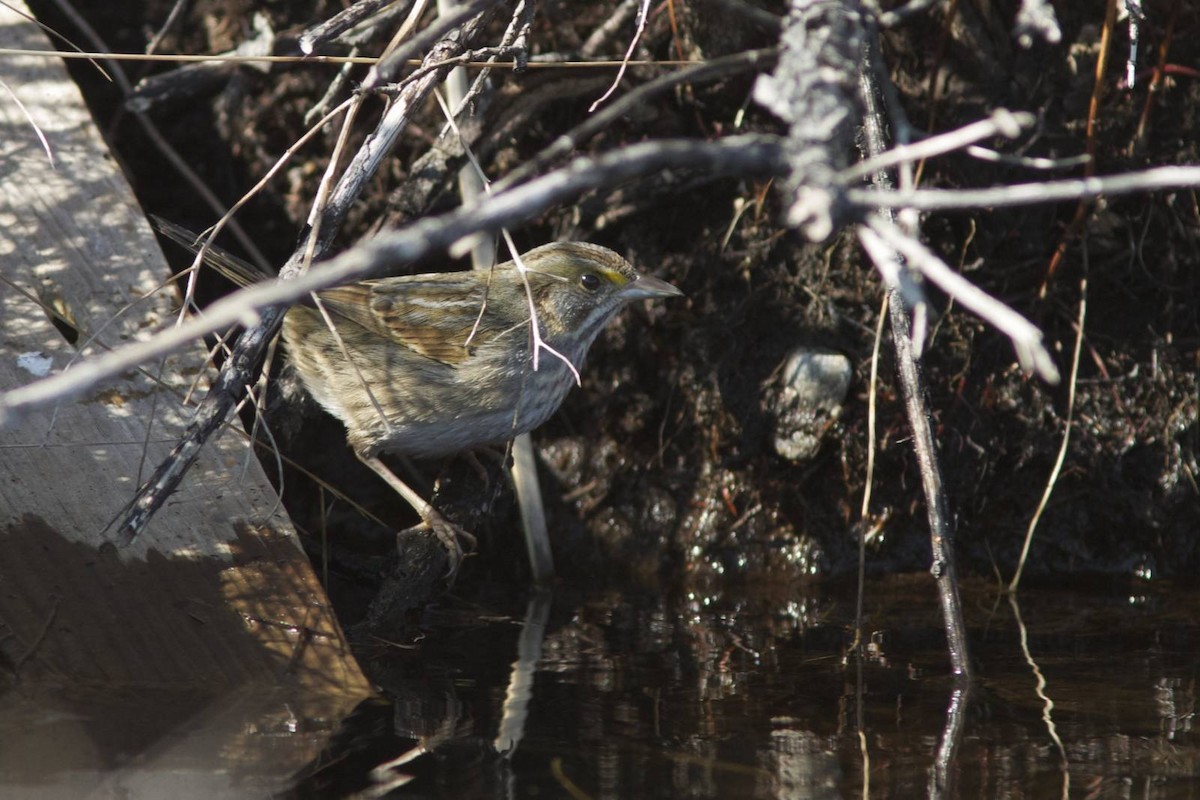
(1025,194)
(941,537)
(391,64)
(813,90)
(1137,15)
(1026,337)
(643,14)
(1001,123)
(339,23)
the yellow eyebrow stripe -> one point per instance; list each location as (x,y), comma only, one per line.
(614,277)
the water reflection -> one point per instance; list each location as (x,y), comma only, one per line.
(757,693)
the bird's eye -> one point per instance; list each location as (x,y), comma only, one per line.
(590,281)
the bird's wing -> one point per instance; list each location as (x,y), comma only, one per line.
(431,315)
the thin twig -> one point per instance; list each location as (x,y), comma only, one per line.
(339,23)
(601,36)
(642,15)
(37,131)
(214,231)
(53,34)
(872,390)
(379,144)
(1026,337)
(1027,162)
(1052,480)
(1001,123)
(178,163)
(567,143)
(1026,194)
(544,62)
(389,66)
(1091,139)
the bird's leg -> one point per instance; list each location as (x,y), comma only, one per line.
(446,531)
(472,459)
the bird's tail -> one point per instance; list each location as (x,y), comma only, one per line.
(238,270)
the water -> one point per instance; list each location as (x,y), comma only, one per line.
(757,692)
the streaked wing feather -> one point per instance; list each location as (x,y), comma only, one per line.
(411,313)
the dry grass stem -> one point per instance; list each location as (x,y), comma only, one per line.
(1061,458)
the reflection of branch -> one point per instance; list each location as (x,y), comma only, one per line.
(1039,689)
(519,695)
(941,779)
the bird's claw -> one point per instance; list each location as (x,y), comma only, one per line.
(450,536)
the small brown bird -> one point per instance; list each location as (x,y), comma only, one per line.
(436,364)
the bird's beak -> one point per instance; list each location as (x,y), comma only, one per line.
(646,287)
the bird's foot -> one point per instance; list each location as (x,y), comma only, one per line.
(450,536)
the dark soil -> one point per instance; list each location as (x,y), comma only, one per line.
(661,466)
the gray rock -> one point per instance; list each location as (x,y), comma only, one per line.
(808,401)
